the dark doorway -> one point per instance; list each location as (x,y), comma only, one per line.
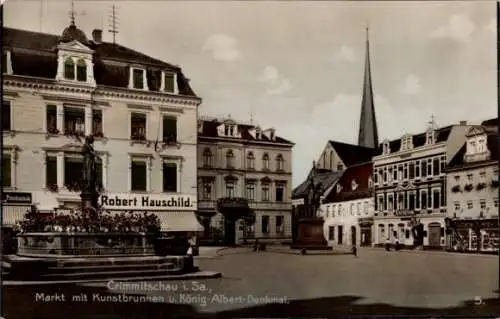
(353,235)
(434,235)
(229,231)
(366,236)
(340,233)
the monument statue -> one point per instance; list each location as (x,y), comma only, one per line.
(315,192)
(90,190)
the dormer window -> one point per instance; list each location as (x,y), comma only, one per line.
(81,70)
(75,70)
(354,185)
(168,82)
(339,188)
(386,148)
(69,69)
(406,142)
(137,79)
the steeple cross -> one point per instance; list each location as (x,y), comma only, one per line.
(72,13)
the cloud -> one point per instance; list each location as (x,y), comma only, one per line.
(459,28)
(492,26)
(275,82)
(412,85)
(345,53)
(223,47)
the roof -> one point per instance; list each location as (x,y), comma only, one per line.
(209,129)
(458,160)
(361,174)
(326,177)
(352,154)
(490,122)
(419,139)
(38,58)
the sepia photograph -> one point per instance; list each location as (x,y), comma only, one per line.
(249,159)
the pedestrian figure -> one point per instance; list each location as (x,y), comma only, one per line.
(354,251)
(388,244)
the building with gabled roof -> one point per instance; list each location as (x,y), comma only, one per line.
(472,191)
(240,164)
(141,110)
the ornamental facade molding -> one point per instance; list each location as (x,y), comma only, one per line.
(46,86)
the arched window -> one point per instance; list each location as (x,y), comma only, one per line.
(207,158)
(265,161)
(280,163)
(230,159)
(69,69)
(81,70)
(250,160)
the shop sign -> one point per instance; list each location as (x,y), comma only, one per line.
(16,198)
(365,221)
(144,202)
(404,213)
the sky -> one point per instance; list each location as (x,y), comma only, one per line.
(298,66)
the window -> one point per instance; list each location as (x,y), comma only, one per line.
(400,172)
(370,182)
(69,69)
(470,178)
(411,171)
(423,167)
(423,199)
(265,224)
(482,203)
(436,166)
(169,80)
(389,174)
(138,175)
(331,233)
(340,167)
(169,177)
(265,192)
(381,203)
(138,78)
(230,188)
(456,204)
(229,159)
(207,190)
(340,233)
(280,229)
(417,169)
(74,121)
(73,172)
(51,118)
(51,172)
(6,116)
(250,161)
(405,171)
(385,175)
(443,163)
(169,129)
(81,70)
(429,167)
(97,123)
(375,175)
(495,202)
(6,170)
(436,198)
(207,158)
(250,191)
(280,163)
(457,178)
(411,201)
(470,204)
(390,202)
(280,192)
(138,126)
(265,161)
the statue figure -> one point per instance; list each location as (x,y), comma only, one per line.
(89,180)
(314,195)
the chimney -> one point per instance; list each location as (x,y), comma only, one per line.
(97,35)
(463,122)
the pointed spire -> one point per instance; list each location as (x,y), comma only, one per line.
(72,13)
(368,132)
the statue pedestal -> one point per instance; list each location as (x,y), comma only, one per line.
(89,200)
(310,235)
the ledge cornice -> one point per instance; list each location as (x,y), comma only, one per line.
(49,85)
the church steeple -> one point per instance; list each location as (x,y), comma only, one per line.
(368,132)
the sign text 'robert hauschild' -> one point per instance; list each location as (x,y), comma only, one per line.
(148,201)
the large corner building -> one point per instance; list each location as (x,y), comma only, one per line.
(142,111)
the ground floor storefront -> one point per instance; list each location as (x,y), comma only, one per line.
(341,233)
(410,231)
(14,206)
(480,235)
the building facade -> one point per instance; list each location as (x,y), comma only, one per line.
(410,186)
(240,163)
(472,192)
(141,111)
(348,208)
